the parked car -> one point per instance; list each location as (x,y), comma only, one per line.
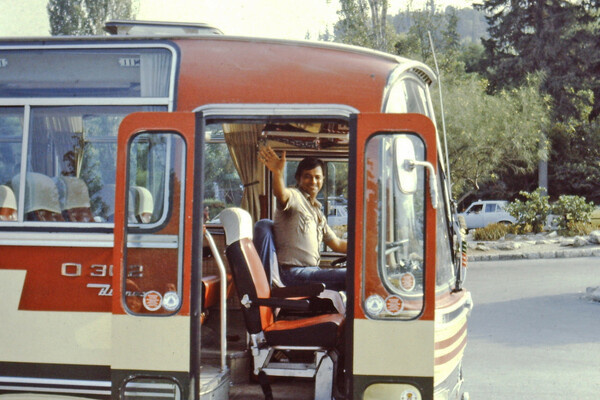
(484,212)
(338,215)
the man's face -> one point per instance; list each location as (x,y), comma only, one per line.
(311,181)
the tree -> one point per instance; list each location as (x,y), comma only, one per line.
(491,135)
(86,17)
(451,38)
(550,36)
(574,165)
(364,23)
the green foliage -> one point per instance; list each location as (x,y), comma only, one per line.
(520,229)
(491,232)
(572,211)
(86,17)
(364,23)
(533,211)
(577,229)
(574,165)
(490,135)
(221,179)
(556,37)
(214,207)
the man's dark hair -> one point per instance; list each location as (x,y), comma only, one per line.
(307,164)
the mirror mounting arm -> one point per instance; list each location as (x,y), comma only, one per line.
(411,164)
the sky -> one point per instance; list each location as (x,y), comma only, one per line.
(284,19)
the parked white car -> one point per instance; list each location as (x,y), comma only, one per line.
(484,212)
(338,215)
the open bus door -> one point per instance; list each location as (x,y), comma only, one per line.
(390,323)
(156,282)
(394,257)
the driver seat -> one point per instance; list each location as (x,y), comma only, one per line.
(316,335)
(265,245)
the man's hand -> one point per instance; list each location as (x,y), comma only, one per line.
(276,165)
(269,158)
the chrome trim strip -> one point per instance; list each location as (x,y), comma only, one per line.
(79,239)
(47,385)
(284,109)
(55,390)
(85,101)
(73,382)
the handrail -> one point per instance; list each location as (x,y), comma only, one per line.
(223,299)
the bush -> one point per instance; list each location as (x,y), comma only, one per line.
(577,229)
(491,232)
(571,212)
(520,229)
(534,211)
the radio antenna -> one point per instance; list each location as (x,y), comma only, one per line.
(437,71)
(462,243)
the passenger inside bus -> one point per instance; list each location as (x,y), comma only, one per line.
(8,204)
(143,204)
(300,226)
(74,199)
(41,197)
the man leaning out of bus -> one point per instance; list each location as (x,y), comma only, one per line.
(299,224)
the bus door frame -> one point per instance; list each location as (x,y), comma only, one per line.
(359,377)
(191,126)
(184,345)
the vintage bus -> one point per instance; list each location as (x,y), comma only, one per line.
(124,163)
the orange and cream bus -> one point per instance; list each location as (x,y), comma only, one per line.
(129,189)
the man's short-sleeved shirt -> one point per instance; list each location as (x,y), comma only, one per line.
(299,228)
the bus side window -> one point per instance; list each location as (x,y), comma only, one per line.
(11,132)
(222,185)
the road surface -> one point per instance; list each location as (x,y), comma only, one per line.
(532,333)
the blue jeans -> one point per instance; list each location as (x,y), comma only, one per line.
(333,278)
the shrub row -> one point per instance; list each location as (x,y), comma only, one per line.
(572,214)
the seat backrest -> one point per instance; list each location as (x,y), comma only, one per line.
(265,246)
(246,267)
(143,204)
(8,204)
(74,199)
(41,197)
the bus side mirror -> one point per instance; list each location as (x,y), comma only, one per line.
(406,172)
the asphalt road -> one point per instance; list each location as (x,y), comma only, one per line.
(532,333)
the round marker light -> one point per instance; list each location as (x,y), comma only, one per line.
(170,301)
(374,304)
(152,300)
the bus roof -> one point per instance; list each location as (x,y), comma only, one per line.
(217,69)
(245,70)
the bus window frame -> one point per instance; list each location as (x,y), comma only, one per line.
(27,103)
(138,240)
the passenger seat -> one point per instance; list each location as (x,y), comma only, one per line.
(41,198)
(143,204)
(8,204)
(74,199)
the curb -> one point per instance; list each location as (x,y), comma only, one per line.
(562,253)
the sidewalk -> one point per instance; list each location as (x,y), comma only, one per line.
(534,246)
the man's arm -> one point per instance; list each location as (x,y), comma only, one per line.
(276,165)
(338,245)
